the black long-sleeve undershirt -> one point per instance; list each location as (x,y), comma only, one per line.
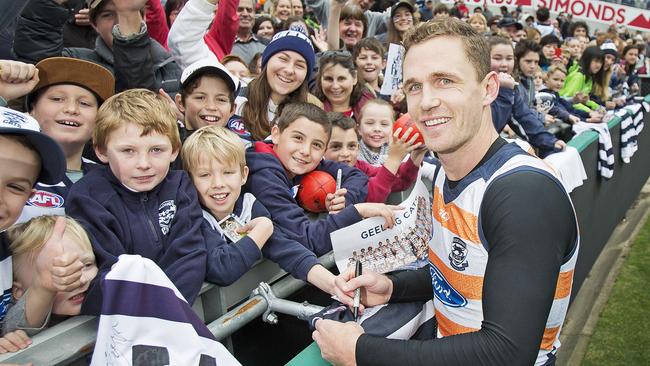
(530,229)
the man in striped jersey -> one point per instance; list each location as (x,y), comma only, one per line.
(505,237)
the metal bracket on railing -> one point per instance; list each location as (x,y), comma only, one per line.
(275,304)
(264,290)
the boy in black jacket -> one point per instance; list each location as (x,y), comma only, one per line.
(136,205)
(215,159)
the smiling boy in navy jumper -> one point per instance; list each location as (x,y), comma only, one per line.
(136,205)
(215,159)
(300,137)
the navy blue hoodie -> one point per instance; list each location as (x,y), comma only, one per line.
(268,181)
(228,261)
(508,106)
(163,225)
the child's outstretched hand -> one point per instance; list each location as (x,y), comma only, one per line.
(57,270)
(259,229)
(370,209)
(400,147)
(335,202)
(14,341)
(417,155)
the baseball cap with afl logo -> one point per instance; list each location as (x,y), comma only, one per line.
(66,70)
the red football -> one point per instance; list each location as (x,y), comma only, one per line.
(313,189)
(405,122)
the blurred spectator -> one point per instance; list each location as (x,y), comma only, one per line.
(246,43)
(533,34)
(172,8)
(263,28)
(440,11)
(426,11)
(459,10)
(402,19)
(543,24)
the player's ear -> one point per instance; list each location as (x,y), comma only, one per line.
(491,86)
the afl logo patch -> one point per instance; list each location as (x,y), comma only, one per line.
(444,291)
(166,213)
(45,199)
(458,255)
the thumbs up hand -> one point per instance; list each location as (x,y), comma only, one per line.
(56,269)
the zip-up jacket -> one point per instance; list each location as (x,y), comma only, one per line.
(163,225)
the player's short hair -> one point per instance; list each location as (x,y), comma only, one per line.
(214,143)
(476,48)
(292,111)
(30,237)
(141,107)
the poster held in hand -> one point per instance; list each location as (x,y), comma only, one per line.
(393,72)
(383,250)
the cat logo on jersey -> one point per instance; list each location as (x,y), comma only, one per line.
(443,291)
(458,255)
(166,213)
(45,199)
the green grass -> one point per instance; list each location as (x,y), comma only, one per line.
(622,335)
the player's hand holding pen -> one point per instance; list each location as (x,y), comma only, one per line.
(376,288)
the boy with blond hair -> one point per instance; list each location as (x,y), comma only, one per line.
(215,159)
(135,204)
